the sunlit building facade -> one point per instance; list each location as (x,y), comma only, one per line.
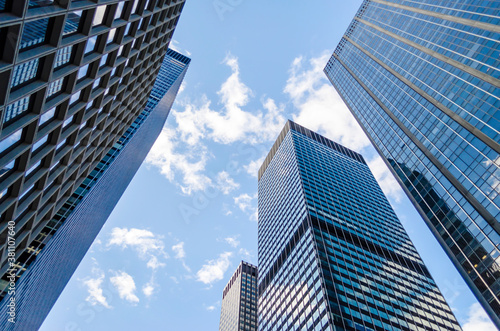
(239,300)
(332,253)
(423,80)
(76,121)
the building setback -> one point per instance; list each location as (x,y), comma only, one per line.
(239,300)
(76,125)
(423,80)
(332,253)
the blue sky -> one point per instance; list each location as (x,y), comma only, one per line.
(189,216)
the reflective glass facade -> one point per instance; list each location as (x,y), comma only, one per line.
(423,80)
(332,253)
(239,300)
(54,254)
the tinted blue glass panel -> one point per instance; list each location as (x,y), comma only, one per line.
(34,33)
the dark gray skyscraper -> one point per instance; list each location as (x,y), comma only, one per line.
(239,300)
(76,123)
(332,253)
(423,80)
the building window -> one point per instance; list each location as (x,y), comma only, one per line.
(72,23)
(24,72)
(39,144)
(75,98)
(54,87)
(67,121)
(48,115)
(99,15)
(61,145)
(34,33)
(127,29)
(63,56)
(10,141)
(111,36)
(38,3)
(90,44)
(119,10)
(16,109)
(82,72)
(120,51)
(33,168)
(96,83)
(134,6)
(103,61)
(7,168)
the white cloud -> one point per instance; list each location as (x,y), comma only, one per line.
(246,203)
(232,123)
(182,151)
(211,308)
(214,270)
(243,201)
(125,285)
(245,253)
(320,107)
(149,246)
(176,46)
(148,289)
(253,167)
(232,241)
(168,155)
(94,288)
(385,178)
(179,250)
(225,183)
(477,320)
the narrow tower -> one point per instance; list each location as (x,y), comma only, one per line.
(76,121)
(332,253)
(423,80)
(239,300)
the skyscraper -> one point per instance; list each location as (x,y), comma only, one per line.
(423,80)
(332,253)
(76,124)
(239,300)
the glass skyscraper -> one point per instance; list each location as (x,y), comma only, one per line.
(77,118)
(332,253)
(423,80)
(239,300)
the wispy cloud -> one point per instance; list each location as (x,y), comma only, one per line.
(214,270)
(148,289)
(172,158)
(385,178)
(253,167)
(225,183)
(247,204)
(320,107)
(477,320)
(179,250)
(181,153)
(125,285)
(94,289)
(232,123)
(232,241)
(149,246)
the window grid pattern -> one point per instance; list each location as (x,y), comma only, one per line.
(239,300)
(439,129)
(116,104)
(350,263)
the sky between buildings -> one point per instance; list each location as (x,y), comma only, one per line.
(189,216)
